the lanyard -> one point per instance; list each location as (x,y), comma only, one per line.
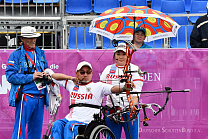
(33,62)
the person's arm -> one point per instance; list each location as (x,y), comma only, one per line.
(195,38)
(60,76)
(119,89)
(138,88)
(57,77)
(135,99)
(138,81)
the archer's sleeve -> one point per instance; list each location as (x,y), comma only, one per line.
(195,38)
(137,80)
(67,84)
(106,88)
(138,84)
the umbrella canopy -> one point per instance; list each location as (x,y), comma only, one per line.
(119,23)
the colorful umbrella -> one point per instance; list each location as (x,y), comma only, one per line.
(119,23)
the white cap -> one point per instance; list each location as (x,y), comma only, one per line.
(29,32)
(121,46)
(207,5)
(83,63)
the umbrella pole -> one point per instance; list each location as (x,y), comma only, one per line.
(134,22)
(134,29)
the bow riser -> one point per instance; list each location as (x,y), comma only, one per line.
(132,108)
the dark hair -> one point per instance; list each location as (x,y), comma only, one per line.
(134,35)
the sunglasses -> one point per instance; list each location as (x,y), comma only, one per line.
(83,72)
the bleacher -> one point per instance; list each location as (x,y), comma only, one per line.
(65,24)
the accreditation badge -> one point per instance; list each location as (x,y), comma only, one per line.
(40,84)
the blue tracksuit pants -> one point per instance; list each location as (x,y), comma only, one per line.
(29,111)
(64,129)
(117,128)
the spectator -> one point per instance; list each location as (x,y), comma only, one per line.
(199,36)
(139,37)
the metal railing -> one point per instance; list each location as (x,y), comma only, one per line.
(50,33)
(30,8)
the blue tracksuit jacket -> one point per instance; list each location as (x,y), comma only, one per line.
(16,68)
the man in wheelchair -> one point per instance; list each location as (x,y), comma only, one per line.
(82,90)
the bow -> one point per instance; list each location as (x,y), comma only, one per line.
(156,109)
(130,49)
(168,90)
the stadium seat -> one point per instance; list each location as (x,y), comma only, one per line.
(78,6)
(197,7)
(181,20)
(80,38)
(134,2)
(106,43)
(103,5)
(74,41)
(188,5)
(156,44)
(46,1)
(17,1)
(173,7)
(182,37)
(90,39)
(156,5)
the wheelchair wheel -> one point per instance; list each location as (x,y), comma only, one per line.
(102,132)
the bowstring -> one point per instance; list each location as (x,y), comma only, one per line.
(102,54)
(108,45)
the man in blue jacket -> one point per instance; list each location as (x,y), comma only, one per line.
(25,72)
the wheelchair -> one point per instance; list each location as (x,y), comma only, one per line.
(96,129)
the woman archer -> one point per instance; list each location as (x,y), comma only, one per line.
(111,75)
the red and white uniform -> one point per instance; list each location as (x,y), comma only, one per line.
(91,93)
(111,74)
